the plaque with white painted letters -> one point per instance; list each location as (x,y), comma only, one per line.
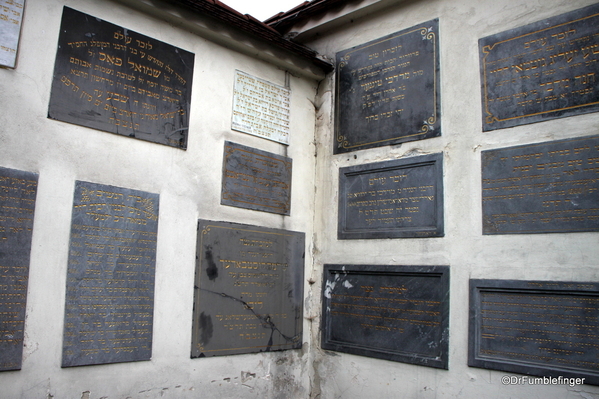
(260,108)
(11,17)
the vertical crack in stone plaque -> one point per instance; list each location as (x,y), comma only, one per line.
(113,79)
(398,313)
(261,108)
(388,90)
(248,290)
(255,179)
(18,191)
(110,279)
(11,18)
(542,328)
(549,187)
(541,71)
(391,199)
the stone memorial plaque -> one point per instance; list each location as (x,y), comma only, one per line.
(11,18)
(261,108)
(110,279)
(390,199)
(398,313)
(550,187)
(542,328)
(248,290)
(255,179)
(18,191)
(541,71)
(388,90)
(110,78)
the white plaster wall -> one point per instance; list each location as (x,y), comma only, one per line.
(189,184)
(568,257)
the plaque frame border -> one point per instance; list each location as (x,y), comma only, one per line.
(511,365)
(408,232)
(431,127)
(505,36)
(442,271)
(486,231)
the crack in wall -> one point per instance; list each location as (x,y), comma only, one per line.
(265,319)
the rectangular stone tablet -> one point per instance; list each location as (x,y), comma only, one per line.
(397,313)
(110,277)
(261,108)
(545,70)
(248,291)
(11,18)
(542,328)
(256,179)
(550,187)
(391,199)
(18,191)
(110,78)
(388,90)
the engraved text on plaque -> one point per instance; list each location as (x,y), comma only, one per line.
(545,70)
(114,79)
(17,202)
(550,187)
(248,290)
(388,90)
(544,328)
(398,313)
(110,280)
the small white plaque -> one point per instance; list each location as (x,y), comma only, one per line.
(260,108)
(11,16)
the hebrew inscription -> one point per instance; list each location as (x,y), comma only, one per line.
(398,313)
(543,328)
(545,70)
(550,187)
(110,78)
(110,279)
(11,17)
(388,90)
(17,203)
(261,108)
(248,290)
(398,198)
(255,179)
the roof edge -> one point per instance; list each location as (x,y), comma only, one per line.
(251,25)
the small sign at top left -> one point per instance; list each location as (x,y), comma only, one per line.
(11,16)
(110,78)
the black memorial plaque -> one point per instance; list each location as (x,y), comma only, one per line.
(550,187)
(388,90)
(541,71)
(398,313)
(255,179)
(113,79)
(18,191)
(390,199)
(542,328)
(248,290)
(110,278)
